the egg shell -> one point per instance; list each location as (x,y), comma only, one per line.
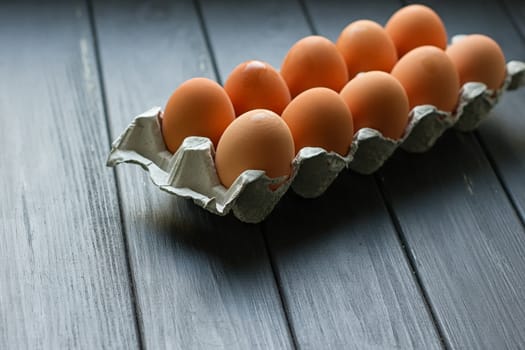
(366,46)
(258,140)
(416,25)
(429,77)
(255,85)
(319,117)
(378,101)
(198,107)
(314,61)
(478,58)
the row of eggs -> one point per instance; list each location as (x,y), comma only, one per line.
(325,92)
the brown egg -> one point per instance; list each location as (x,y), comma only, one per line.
(416,25)
(198,107)
(314,61)
(377,101)
(258,140)
(319,117)
(478,58)
(256,84)
(429,77)
(366,46)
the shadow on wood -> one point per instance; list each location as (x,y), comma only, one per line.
(456,152)
(347,203)
(186,226)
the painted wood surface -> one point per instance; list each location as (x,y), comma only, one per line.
(341,269)
(63,274)
(515,10)
(508,152)
(431,246)
(201,281)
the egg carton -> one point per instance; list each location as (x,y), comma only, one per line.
(190,172)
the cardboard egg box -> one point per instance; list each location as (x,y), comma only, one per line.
(190,172)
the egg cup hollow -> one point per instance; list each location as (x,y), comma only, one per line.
(191,173)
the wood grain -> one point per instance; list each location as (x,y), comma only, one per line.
(244,30)
(63,274)
(201,281)
(460,228)
(502,134)
(515,10)
(342,272)
(465,239)
(330,17)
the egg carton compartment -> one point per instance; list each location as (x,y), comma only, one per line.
(427,124)
(190,172)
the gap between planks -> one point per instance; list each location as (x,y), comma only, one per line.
(100,76)
(395,222)
(479,138)
(261,228)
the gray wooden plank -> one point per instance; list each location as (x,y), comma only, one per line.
(342,272)
(515,9)
(460,228)
(465,239)
(244,30)
(502,133)
(331,16)
(201,281)
(63,274)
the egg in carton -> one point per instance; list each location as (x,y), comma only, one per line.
(190,172)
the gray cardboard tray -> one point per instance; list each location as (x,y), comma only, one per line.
(190,172)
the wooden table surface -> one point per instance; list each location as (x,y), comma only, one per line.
(427,253)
